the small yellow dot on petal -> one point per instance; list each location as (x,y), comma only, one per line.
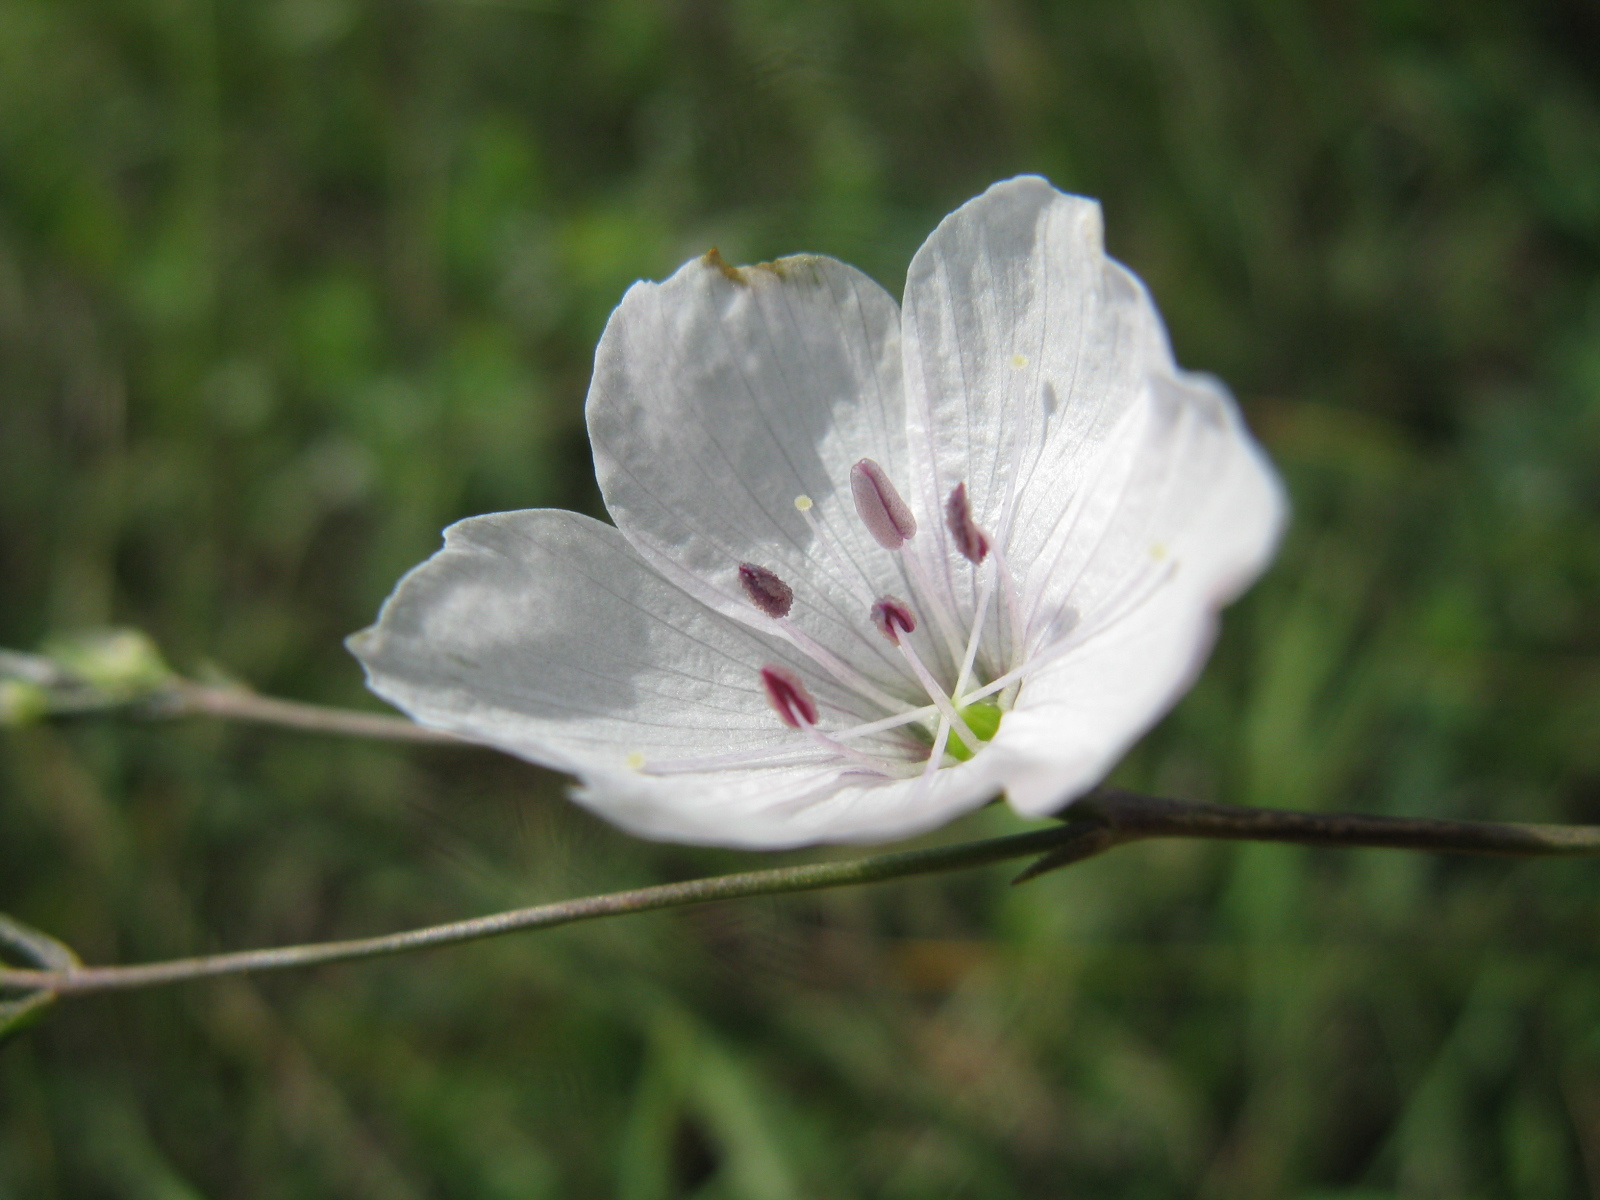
(1158,551)
(635,761)
(803,503)
(1019,360)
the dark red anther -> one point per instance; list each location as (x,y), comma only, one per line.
(788,697)
(970,540)
(893,619)
(886,516)
(766,591)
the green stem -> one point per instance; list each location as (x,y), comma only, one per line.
(1107,818)
(186,699)
(80,980)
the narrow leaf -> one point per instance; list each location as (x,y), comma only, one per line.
(36,949)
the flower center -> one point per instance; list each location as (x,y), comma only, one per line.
(954,694)
(950,721)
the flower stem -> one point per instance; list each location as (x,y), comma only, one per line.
(1106,818)
(186,699)
(544,916)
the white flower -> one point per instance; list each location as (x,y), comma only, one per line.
(870,568)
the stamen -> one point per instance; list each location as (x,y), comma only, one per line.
(879,766)
(846,571)
(787,757)
(796,709)
(935,760)
(775,598)
(837,667)
(970,540)
(890,521)
(917,576)
(936,694)
(940,741)
(1009,595)
(734,761)
(910,717)
(821,748)
(976,638)
(893,619)
(788,697)
(766,591)
(880,507)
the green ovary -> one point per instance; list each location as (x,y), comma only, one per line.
(983,719)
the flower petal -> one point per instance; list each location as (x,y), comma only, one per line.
(1177,486)
(783,808)
(544,634)
(722,395)
(1024,347)
(1188,513)
(1126,495)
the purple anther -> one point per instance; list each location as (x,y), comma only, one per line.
(970,540)
(766,591)
(788,697)
(885,515)
(893,619)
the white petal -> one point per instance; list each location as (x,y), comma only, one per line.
(722,395)
(1178,485)
(1191,515)
(778,809)
(1024,347)
(543,633)
(1126,495)
(1077,717)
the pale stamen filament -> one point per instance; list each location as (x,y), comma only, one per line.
(876,765)
(792,701)
(1017,674)
(940,740)
(973,641)
(926,713)
(844,570)
(932,601)
(786,756)
(1015,454)
(827,746)
(974,545)
(1011,597)
(842,671)
(736,760)
(896,622)
(935,761)
(775,598)
(942,701)
(892,524)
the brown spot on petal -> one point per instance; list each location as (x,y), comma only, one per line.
(713,258)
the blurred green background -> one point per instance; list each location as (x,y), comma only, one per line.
(287,285)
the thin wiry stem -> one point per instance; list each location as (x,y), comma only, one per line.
(1109,817)
(79,980)
(186,699)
